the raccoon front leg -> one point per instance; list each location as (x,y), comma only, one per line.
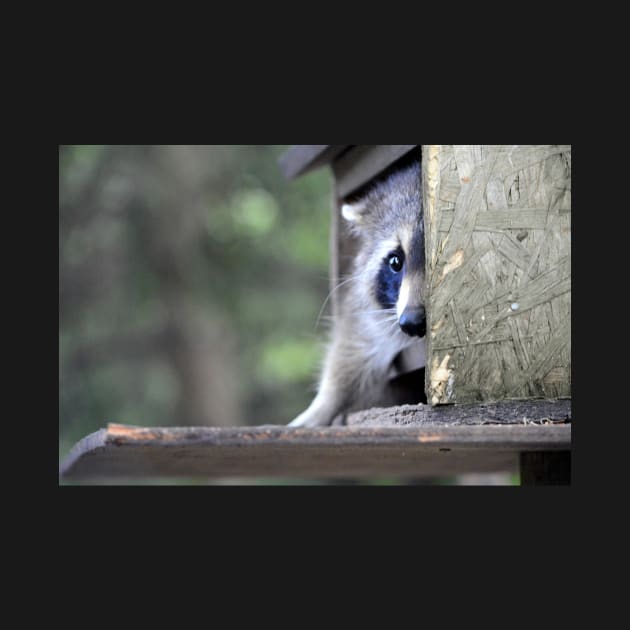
(329,402)
(339,386)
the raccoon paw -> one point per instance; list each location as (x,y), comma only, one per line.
(306,422)
(307,419)
(310,419)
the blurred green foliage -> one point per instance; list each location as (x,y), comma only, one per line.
(190,281)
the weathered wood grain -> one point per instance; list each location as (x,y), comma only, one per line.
(501,219)
(498,242)
(302,158)
(525,412)
(122,452)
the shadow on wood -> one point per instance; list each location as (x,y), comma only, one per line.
(549,468)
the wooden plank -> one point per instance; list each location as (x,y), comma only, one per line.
(498,242)
(362,162)
(303,158)
(524,412)
(428,450)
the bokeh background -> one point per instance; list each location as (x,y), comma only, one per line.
(190,283)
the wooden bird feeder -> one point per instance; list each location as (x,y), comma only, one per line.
(498,346)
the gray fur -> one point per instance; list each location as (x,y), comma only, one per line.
(366,338)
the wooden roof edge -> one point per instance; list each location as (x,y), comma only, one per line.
(302,158)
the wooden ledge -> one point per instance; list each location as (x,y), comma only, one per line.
(429,449)
(505,412)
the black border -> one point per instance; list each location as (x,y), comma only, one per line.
(294,516)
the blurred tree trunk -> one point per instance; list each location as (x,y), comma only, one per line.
(156,198)
(198,347)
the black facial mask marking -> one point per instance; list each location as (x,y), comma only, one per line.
(389,280)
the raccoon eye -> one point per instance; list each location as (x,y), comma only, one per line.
(395,262)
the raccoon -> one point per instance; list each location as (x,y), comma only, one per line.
(383,309)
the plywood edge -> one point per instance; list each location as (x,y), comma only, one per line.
(431,180)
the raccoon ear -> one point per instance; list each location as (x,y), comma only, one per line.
(354,212)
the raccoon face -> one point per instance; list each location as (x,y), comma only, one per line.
(399,282)
(400,285)
(389,223)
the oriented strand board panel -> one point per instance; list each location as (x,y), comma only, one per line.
(498,245)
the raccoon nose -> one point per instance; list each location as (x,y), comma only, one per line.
(413,321)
